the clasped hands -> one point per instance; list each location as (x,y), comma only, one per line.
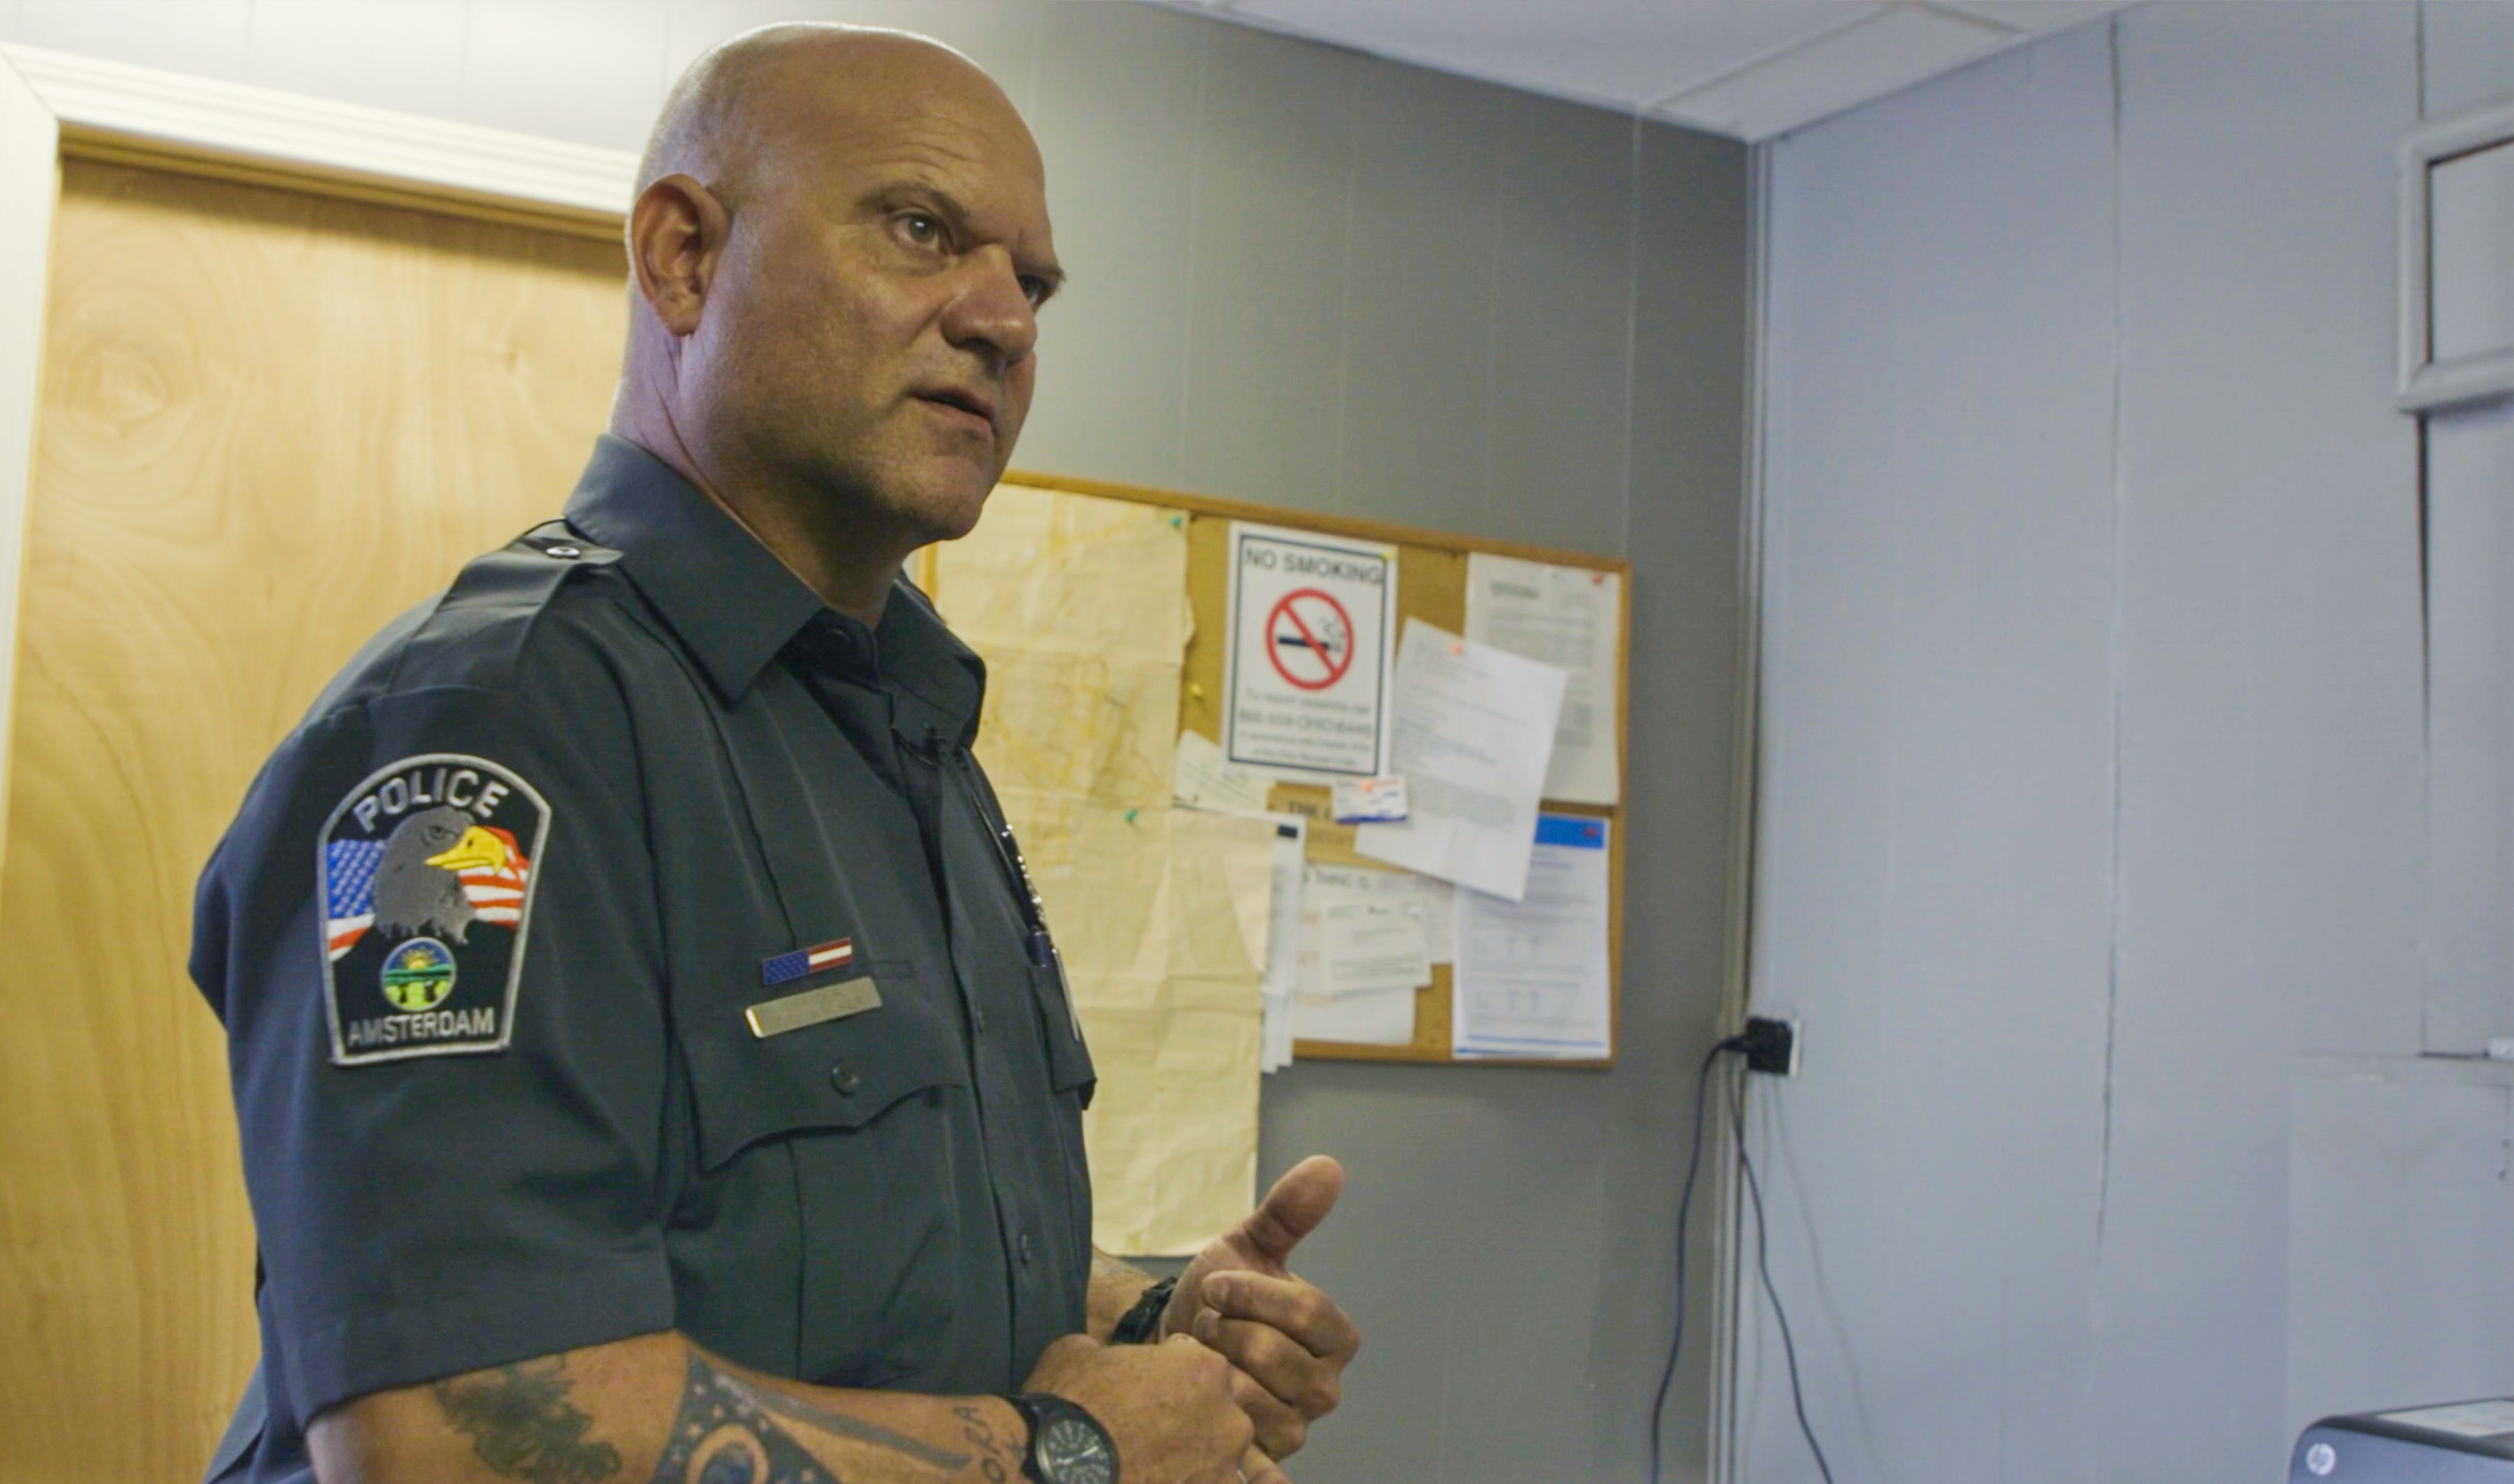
(1250,1355)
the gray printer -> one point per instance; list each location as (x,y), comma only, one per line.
(2461,1443)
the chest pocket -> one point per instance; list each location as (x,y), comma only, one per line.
(845,1135)
(841,1074)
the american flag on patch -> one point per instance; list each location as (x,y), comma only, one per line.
(835,953)
(496,893)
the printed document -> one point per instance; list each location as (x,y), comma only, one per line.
(1475,727)
(1375,1018)
(1283,945)
(1570,616)
(1203,779)
(1363,953)
(1532,976)
(1440,919)
(1371,946)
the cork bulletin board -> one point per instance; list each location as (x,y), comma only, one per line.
(1430,586)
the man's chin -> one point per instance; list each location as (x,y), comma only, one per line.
(945,503)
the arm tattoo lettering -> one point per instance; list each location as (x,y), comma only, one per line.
(991,1453)
(522,1425)
(727,1433)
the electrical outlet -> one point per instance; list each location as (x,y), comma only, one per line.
(1771,1045)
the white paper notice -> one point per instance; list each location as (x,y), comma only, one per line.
(1439,919)
(1310,620)
(1371,946)
(1363,953)
(1475,726)
(1379,1018)
(1203,779)
(1283,945)
(1531,977)
(1569,616)
(1329,884)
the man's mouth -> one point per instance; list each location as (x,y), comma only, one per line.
(961,401)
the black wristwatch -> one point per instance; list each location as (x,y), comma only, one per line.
(1067,1444)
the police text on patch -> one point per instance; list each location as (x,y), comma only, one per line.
(427,872)
(444,784)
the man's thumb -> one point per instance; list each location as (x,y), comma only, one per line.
(1293,1209)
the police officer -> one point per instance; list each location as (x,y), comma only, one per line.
(650,1059)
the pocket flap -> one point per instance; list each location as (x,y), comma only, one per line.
(836,1073)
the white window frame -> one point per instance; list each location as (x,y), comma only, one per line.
(2427,384)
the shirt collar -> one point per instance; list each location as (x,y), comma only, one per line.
(926,660)
(734,605)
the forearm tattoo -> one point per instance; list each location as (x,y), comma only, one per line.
(993,1451)
(727,1433)
(522,1425)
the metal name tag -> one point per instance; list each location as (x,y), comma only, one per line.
(829,1002)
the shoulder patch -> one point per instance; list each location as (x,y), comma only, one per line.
(426,873)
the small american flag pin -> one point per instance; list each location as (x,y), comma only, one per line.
(837,954)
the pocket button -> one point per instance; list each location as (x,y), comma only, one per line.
(846,1079)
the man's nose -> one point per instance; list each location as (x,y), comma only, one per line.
(991,312)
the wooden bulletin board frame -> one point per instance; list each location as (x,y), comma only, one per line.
(1430,586)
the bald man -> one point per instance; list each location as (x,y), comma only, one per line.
(651,1059)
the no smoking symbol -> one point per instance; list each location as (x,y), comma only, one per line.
(1309,636)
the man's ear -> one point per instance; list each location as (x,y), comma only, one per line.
(677,232)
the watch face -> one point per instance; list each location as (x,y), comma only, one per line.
(1070,1451)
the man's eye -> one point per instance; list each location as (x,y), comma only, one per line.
(921,230)
(1035,289)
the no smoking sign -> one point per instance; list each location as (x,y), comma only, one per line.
(1309,638)
(1307,664)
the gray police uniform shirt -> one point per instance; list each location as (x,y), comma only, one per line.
(628,942)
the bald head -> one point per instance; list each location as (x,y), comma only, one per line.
(766,99)
(840,242)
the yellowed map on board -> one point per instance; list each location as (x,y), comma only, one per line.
(1079,607)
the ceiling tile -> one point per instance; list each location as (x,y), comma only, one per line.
(1628,52)
(1879,55)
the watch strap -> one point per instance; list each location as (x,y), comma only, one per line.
(1142,1323)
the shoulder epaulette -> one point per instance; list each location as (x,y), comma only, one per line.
(477,630)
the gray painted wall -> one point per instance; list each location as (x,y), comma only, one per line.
(2094,823)
(1312,278)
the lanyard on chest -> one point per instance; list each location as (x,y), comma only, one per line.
(960,772)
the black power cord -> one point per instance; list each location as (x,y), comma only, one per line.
(1683,1212)
(1744,1045)
(1764,1266)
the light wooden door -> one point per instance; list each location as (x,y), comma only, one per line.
(270,419)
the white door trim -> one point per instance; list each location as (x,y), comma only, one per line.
(90,98)
(50,98)
(30,178)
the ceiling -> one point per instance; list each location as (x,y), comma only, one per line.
(1749,69)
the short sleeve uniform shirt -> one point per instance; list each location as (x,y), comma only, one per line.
(628,942)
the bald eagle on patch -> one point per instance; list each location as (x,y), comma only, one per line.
(419,888)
